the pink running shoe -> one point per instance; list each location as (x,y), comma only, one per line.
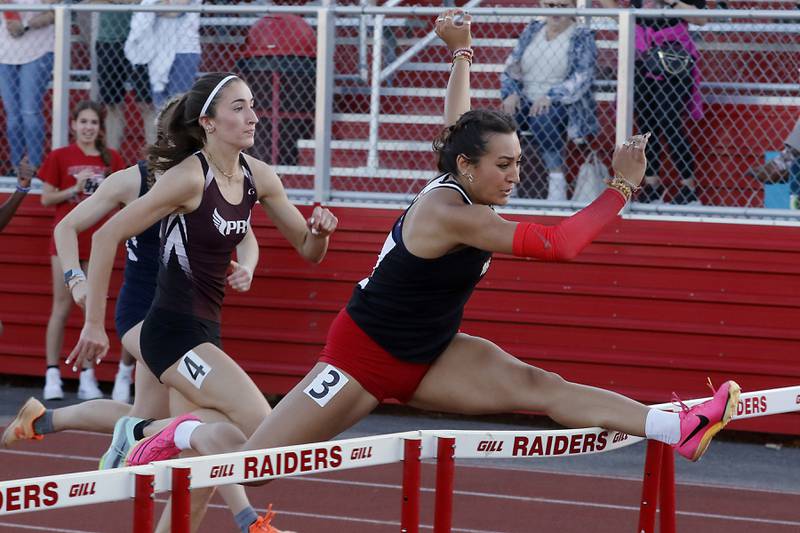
(159,447)
(701,422)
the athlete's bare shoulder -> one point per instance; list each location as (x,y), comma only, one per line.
(123,185)
(267,181)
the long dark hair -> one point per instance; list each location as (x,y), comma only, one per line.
(100,141)
(183,134)
(162,125)
(469,137)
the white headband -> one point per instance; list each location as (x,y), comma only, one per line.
(214,93)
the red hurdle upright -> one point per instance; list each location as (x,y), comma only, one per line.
(181,500)
(409,515)
(445,468)
(658,489)
(666,492)
(143,504)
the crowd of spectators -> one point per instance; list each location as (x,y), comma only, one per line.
(547,85)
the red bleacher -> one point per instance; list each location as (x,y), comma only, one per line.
(651,307)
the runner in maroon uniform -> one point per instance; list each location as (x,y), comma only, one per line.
(398,336)
(204,197)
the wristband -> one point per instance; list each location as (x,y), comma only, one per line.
(463,53)
(73,273)
(74,281)
(24,190)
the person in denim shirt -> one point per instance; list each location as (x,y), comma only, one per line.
(26,67)
(547,86)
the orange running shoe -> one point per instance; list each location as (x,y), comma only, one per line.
(264,523)
(21,428)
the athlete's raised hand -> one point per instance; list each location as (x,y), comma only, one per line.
(453,27)
(91,348)
(322,222)
(240,277)
(629,160)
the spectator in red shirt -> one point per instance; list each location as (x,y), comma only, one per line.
(71,174)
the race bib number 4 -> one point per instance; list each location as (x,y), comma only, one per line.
(192,367)
(326,385)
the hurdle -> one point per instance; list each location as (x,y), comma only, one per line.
(180,476)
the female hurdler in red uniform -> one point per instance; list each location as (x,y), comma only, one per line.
(398,336)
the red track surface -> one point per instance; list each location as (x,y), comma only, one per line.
(368,500)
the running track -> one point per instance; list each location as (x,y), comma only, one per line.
(368,500)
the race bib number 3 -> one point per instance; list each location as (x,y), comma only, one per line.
(325,385)
(193,368)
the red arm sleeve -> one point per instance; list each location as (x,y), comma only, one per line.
(568,238)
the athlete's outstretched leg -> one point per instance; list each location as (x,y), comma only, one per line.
(234,495)
(474,376)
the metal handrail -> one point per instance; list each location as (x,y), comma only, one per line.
(379,75)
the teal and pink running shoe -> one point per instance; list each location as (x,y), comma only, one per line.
(701,422)
(159,447)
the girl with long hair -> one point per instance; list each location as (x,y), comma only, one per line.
(72,174)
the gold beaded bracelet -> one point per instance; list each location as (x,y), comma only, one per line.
(633,187)
(622,186)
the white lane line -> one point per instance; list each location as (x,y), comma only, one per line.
(574,503)
(41,528)
(517,468)
(341,518)
(49,455)
(553,501)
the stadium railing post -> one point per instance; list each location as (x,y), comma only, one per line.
(650,484)
(181,500)
(409,515)
(445,468)
(143,504)
(666,492)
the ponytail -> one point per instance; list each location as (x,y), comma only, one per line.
(163,118)
(183,135)
(179,139)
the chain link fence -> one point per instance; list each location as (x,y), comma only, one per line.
(349,98)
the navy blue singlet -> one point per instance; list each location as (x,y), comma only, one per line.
(141,269)
(411,306)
